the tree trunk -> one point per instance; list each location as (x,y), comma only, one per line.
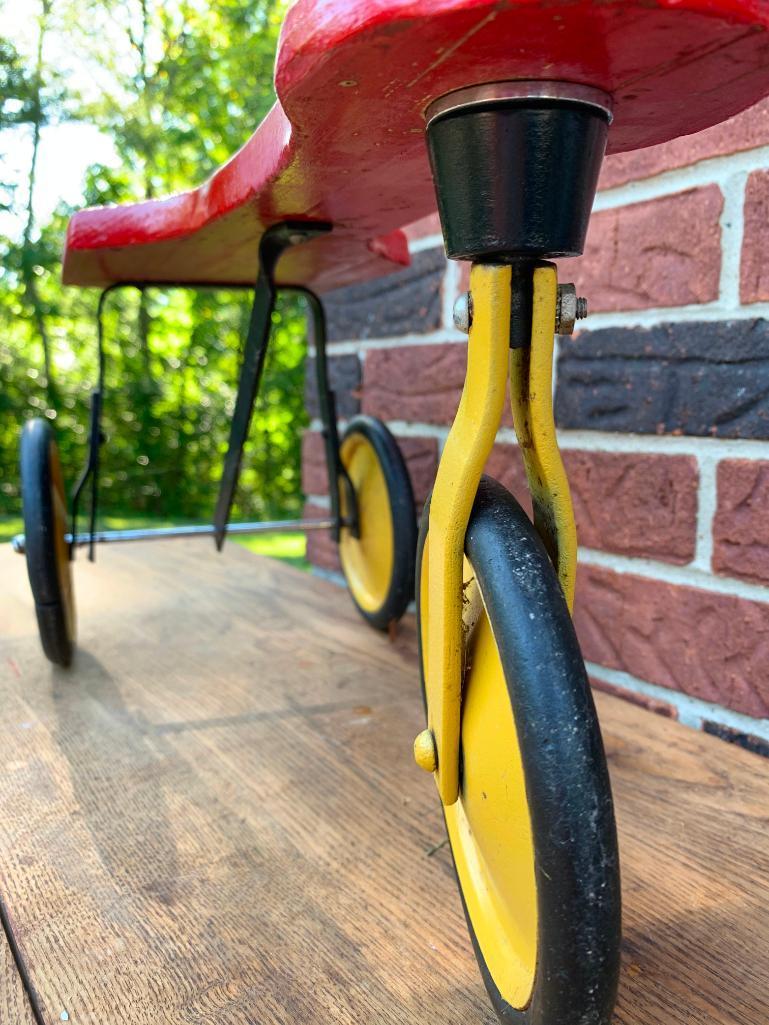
(31,291)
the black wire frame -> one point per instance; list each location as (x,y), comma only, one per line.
(337,474)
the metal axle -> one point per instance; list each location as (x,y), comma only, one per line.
(198,530)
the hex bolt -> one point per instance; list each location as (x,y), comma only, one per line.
(463,312)
(569,309)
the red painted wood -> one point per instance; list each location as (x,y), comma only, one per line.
(345,141)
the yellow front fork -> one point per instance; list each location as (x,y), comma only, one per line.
(531,398)
(489,361)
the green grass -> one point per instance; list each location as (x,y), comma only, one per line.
(10,525)
(291,548)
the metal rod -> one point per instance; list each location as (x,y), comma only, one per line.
(202,530)
(338,477)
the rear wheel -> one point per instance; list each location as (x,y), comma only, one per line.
(45,526)
(532,833)
(379,563)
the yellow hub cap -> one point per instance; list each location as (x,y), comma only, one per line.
(489,826)
(367,560)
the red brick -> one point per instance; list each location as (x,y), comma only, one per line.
(420,453)
(418,383)
(642,700)
(635,504)
(754,272)
(425,226)
(314,475)
(421,383)
(742,132)
(505,464)
(321,549)
(741,524)
(708,645)
(664,252)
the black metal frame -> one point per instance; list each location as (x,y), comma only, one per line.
(273,243)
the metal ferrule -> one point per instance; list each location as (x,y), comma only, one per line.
(478,96)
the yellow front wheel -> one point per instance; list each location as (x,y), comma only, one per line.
(378,558)
(532,833)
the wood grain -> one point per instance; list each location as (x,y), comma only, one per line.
(215,817)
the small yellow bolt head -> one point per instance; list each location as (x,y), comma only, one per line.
(425,754)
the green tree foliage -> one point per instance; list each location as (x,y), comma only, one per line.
(181,85)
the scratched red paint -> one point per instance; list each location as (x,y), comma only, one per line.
(345,141)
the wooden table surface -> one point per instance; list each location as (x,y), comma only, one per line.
(214,817)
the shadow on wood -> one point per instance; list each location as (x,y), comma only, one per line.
(215,816)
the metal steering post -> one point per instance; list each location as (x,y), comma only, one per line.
(273,243)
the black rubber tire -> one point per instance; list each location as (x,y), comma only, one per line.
(47,556)
(400,497)
(566,778)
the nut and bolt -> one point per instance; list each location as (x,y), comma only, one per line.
(569,309)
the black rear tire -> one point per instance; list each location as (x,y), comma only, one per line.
(45,526)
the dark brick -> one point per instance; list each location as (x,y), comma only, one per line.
(345,378)
(707,378)
(756,745)
(407,302)
(741,524)
(641,700)
(708,645)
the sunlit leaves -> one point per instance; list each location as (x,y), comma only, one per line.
(178,85)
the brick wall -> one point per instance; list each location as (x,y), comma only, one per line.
(663,410)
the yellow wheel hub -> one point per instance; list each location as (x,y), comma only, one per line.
(489,825)
(367,560)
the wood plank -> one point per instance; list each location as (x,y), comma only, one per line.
(215,817)
(14,1004)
